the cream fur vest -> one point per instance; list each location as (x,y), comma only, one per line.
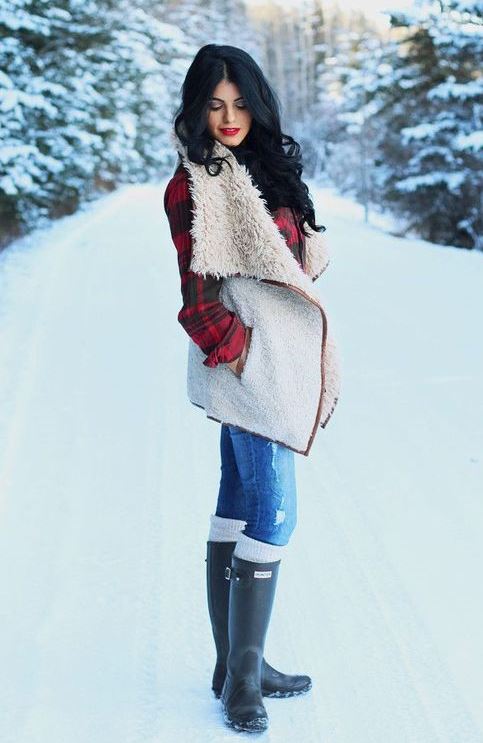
(289,385)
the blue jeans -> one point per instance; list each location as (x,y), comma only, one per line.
(257,485)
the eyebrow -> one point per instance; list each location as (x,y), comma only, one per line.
(213,98)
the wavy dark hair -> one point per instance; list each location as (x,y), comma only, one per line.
(272,158)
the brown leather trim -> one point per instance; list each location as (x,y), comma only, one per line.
(322,351)
(242,359)
(329,415)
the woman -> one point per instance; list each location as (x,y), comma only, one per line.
(261,361)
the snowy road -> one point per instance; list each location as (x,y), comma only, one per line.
(108,476)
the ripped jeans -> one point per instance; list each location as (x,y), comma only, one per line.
(257,485)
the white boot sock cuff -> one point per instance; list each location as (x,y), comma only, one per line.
(252,549)
(224,530)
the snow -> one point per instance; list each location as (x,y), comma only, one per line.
(451,89)
(425,130)
(413,182)
(10,152)
(108,476)
(472,141)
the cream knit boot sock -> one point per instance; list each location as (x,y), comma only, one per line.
(255,551)
(224,530)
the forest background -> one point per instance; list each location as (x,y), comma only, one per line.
(387,108)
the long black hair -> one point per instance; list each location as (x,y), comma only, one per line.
(272,158)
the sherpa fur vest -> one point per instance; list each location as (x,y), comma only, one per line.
(289,385)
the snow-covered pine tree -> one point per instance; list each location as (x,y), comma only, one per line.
(430,164)
(291,49)
(320,53)
(52,113)
(85,95)
(352,147)
(212,22)
(151,58)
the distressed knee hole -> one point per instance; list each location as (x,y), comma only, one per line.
(279,517)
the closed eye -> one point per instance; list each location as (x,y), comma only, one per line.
(218,108)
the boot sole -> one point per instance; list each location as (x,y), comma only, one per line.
(285,694)
(257,725)
(277,694)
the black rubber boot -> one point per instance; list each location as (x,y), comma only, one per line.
(274,683)
(252,590)
(218,557)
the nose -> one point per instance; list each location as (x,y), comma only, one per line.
(229,116)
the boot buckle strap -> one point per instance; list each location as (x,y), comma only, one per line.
(230,573)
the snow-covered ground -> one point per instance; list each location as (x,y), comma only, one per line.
(108,476)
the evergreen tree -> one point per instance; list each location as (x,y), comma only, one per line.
(352,148)
(85,89)
(430,166)
(212,22)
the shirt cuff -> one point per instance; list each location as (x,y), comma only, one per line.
(227,351)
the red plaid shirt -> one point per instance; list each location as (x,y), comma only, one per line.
(213,327)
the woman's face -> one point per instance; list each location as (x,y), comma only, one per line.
(229,120)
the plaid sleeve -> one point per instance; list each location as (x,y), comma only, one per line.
(286,219)
(213,327)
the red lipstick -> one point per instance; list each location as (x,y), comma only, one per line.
(230,132)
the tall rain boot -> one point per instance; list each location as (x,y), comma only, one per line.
(252,590)
(273,683)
